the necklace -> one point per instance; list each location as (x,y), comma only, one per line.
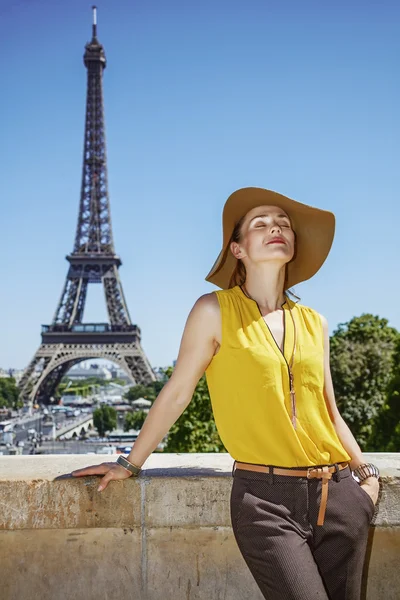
(291,362)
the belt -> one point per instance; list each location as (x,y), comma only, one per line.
(324,473)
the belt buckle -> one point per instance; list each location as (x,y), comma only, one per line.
(311,470)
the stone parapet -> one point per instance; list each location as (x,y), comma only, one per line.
(164,535)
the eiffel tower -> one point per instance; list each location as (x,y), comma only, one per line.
(68,341)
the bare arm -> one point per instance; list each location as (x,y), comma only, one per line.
(346,437)
(199,342)
(198,345)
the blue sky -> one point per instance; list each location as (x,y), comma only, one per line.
(201,98)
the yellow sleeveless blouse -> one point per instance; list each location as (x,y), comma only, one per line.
(248,381)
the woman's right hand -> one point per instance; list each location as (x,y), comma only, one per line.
(110,470)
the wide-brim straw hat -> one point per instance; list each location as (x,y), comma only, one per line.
(314,228)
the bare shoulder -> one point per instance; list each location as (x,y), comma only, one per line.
(200,339)
(206,316)
(207,304)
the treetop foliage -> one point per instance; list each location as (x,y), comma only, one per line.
(361,356)
(9,393)
(104,419)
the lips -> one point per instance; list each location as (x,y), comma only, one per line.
(276,241)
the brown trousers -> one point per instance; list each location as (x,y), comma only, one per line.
(274,520)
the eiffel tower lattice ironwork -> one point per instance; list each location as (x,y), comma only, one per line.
(68,341)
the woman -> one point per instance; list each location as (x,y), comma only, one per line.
(266,360)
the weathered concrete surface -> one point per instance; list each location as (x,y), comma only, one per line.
(381,570)
(214,571)
(165,535)
(70,564)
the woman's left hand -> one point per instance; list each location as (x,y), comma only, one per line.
(371,486)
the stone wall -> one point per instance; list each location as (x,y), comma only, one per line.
(163,536)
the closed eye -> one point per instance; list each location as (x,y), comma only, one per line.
(262,223)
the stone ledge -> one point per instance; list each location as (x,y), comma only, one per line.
(165,535)
(38,492)
(48,467)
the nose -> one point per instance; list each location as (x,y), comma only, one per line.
(275,228)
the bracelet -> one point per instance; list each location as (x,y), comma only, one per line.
(366,470)
(124,462)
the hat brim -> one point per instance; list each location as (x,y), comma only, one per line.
(314,228)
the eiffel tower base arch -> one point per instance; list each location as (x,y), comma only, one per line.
(52,361)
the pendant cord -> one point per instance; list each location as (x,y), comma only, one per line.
(292,390)
(291,362)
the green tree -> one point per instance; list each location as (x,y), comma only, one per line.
(150,392)
(135,420)
(386,429)
(195,430)
(9,393)
(104,419)
(361,364)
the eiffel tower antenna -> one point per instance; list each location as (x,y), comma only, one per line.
(94,36)
(68,340)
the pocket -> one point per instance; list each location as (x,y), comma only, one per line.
(365,498)
(238,491)
(311,366)
(369,499)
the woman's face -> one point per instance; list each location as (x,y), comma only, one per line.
(266,234)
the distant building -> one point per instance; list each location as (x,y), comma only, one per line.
(84,372)
(159,373)
(141,403)
(118,373)
(16,373)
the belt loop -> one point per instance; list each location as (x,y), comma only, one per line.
(271,474)
(233,467)
(337,472)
